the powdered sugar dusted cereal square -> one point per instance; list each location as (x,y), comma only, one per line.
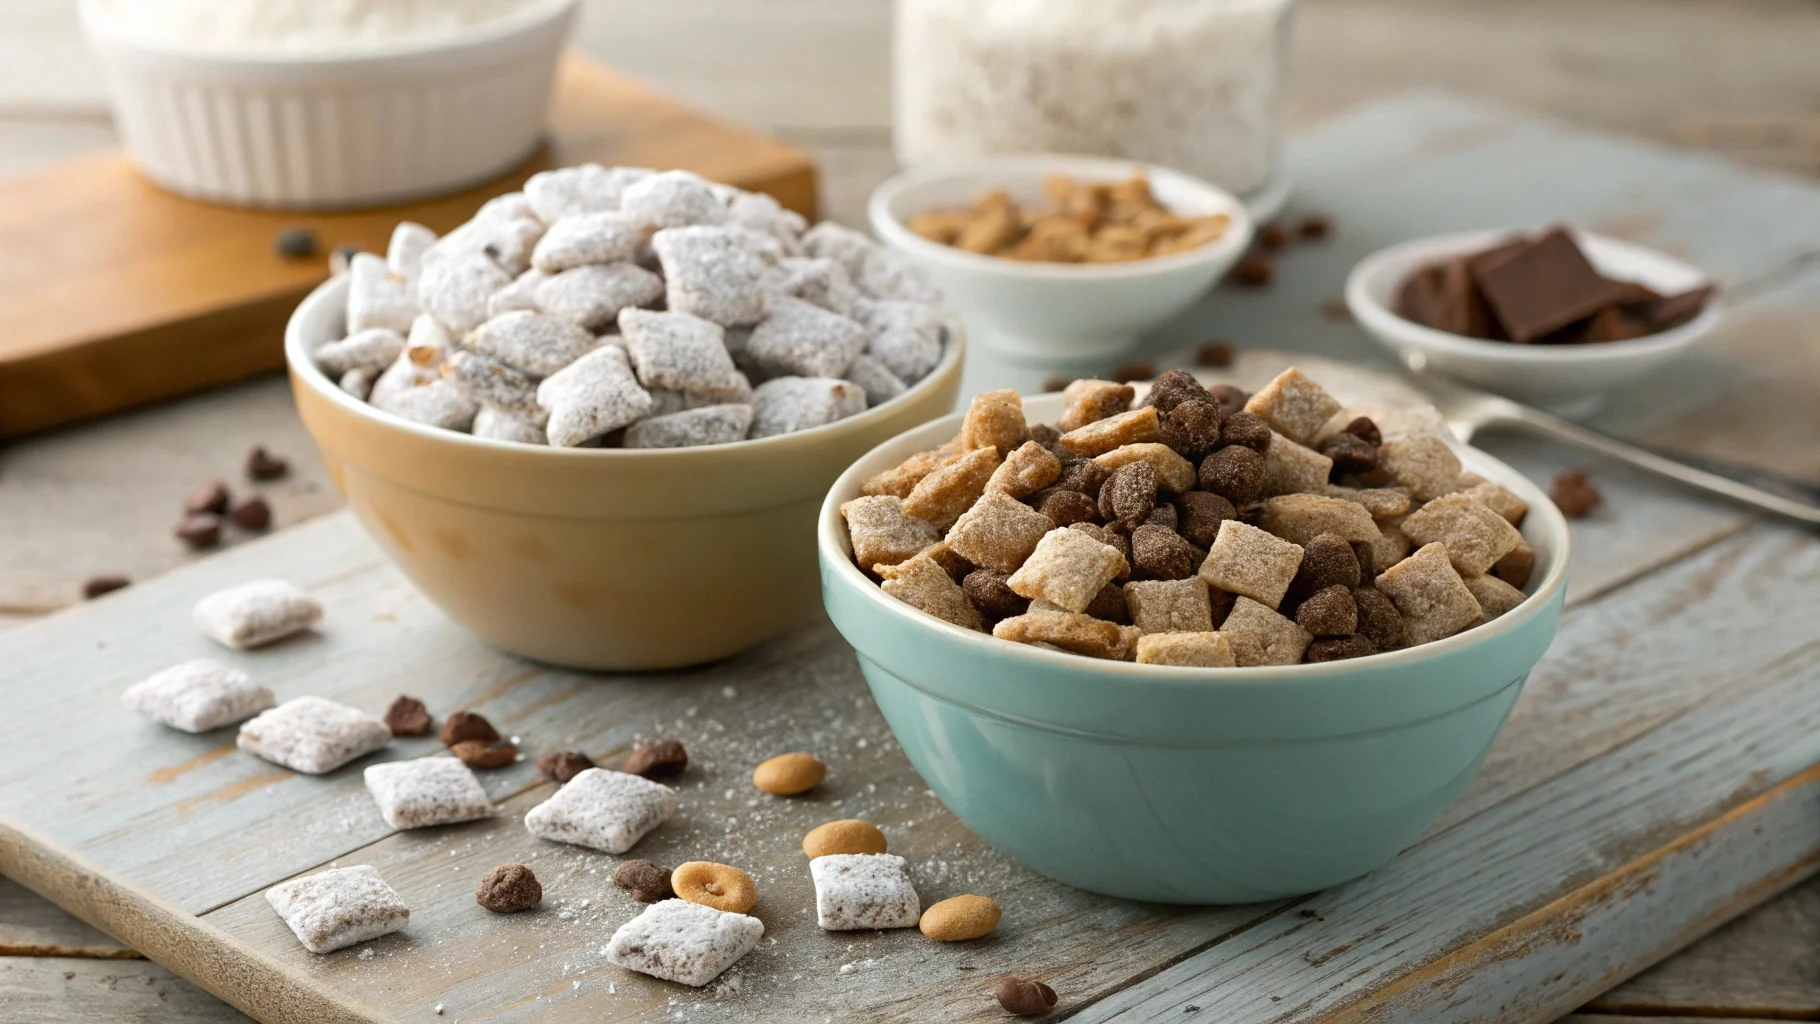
(534,344)
(882,533)
(603,810)
(921,582)
(454,289)
(483,380)
(804,340)
(839,243)
(197,696)
(592,296)
(378,297)
(1260,636)
(372,349)
(1248,561)
(785,405)
(591,396)
(679,352)
(256,613)
(671,199)
(905,336)
(684,942)
(404,254)
(583,238)
(1429,592)
(712,424)
(499,425)
(711,273)
(1067,568)
(859,891)
(820,281)
(587,188)
(334,909)
(1293,405)
(875,379)
(312,735)
(426,791)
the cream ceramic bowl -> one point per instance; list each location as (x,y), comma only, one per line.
(309,130)
(1567,379)
(1058,314)
(594,558)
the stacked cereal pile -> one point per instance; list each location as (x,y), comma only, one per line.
(636,308)
(1205,528)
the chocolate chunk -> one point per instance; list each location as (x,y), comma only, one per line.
(508,889)
(210,496)
(1544,286)
(263,465)
(656,758)
(1273,236)
(462,725)
(201,530)
(95,586)
(408,717)
(1253,270)
(1315,226)
(563,765)
(1671,311)
(481,754)
(251,513)
(1573,494)
(1125,373)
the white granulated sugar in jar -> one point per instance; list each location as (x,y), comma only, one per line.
(1191,84)
(311,25)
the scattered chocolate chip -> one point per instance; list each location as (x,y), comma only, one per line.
(1273,236)
(1363,428)
(263,465)
(1056,383)
(1335,308)
(199,531)
(1247,429)
(1161,554)
(1192,428)
(1230,399)
(1109,604)
(1199,515)
(1173,388)
(1253,270)
(1329,612)
(481,754)
(1023,997)
(1214,353)
(508,889)
(563,765)
(1573,494)
(1235,473)
(1315,226)
(647,882)
(462,725)
(1125,373)
(297,243)
(209,496)
(1350,454)
(1129,494)
(1066,508)
(987,589)
(1339,648)
(408,717)
(95,586)
(656,758)
(251,513)
(1379,619)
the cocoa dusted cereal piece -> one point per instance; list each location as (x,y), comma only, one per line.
(1189,650)
(1175,387)
(1102,436)
(1430,594)
(1171,471)
(1327,561)
(1246,429)
(1391,547)
(998,532)
(996,419)
(1573,494)
(1293,405)
(647,882)
(1129,494)
(987,590)
(882,533)
(1065,508)
(922,583)
(1299,518)
(1044,434)
(462,725)
(1109,604)
(1235,473)
(1160,553)
(1515,568)
(1072,632)
(408,717)
(1023,997)
(944,494)
(1192,428)
(901,479)
(1199,515)
(1290,468)
(1329,612)
(1424,464)
(1169,606)
(1229,399)
(1164,516)
(509,889)
(1067,568)
(1125,373)
(563,765)
(660,758)
(1379,620)
(1474,535)
(1350,454)
(1260,636)
(1248,561)
(1028,469)
(1340,648)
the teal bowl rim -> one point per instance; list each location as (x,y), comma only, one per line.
(1358,695)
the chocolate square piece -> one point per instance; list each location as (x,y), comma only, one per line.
(1545,287)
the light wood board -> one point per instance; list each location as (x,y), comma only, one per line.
(132,294)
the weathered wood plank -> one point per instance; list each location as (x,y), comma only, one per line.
(54,990)
(32,926)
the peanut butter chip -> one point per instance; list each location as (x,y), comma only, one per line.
(960,918)
(789,774)
(849,835)
(720,886)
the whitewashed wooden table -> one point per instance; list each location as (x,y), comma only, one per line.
(97,499)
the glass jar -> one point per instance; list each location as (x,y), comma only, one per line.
(1196,85)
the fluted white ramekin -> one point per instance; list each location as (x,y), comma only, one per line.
(332,131)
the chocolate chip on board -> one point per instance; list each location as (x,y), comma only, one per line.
(263,465)
(208,496)
(508,889)
(408,717)
(1573,494)
(1024,997)
(199,530)
(656,758)
(95,586)
(563,765)
(462,724)
(481,754)
(647,882)
(297,243)
(251,513)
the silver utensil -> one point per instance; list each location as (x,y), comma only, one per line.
(1468,411)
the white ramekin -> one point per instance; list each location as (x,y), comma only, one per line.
(330,131)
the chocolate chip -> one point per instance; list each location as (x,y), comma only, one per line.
(462,725)
(987,590)
(1327,561)
(1253,270)
(1350,454)
(95,586)
(210,496)
(297,243)
(1055,383)
(1173,388)
(647,882)
(1247,429)
(251,513)
(1125,373)
(1235,473)
(1069,507)
(1109,604)
(1129,494)
(201,530)
(1363,428)
(1273,236)
(1339,648)
(1229,399)
(563,765)
(508,889)
(408,717)
(263,465)
(1379,619)
(1315,226)
(1161,554)
(1329,612)
(656,758)
(1573,494)
(481,754)
(1023,997)
(1199,515)
(1214,353)
(1192,428)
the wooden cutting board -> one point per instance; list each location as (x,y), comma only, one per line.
(118,293)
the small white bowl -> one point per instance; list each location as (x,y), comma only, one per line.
(324,131)
(1568,379)
(1057,314)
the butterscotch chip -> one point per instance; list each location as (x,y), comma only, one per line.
(900,480)
(1088,400)
(720,886)
(1248,561)
(960,918)
(922,583)
(881,531)
(408,717)
(1495,596)
(1172,472)
(787,775)
(1515,568)
(1260,636)
(1027,470)
(1102,436)
(1169,606)
(508,889)
(1067,568)
(1475,536)
(1290,468)
(658,758)
(944,494)
(1430,594)
(1071,631)
(1293,405)
(1424,464)
(647,882)
(462,724)
(1189,650)
(849,835)
(995,419)
(998,532)
(1299,518)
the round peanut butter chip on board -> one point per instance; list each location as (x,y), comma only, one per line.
(959,918)
(849,835)
(789,774)
(720,886)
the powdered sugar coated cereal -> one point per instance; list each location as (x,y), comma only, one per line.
(312,735)
(197,696)
(712,424)
(592,396)
(256,613)
(785,405)
(860,891)
(334,909)
(683,942)
(603,810)
(426,791)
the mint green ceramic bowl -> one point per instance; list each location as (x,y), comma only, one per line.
(1184,785)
